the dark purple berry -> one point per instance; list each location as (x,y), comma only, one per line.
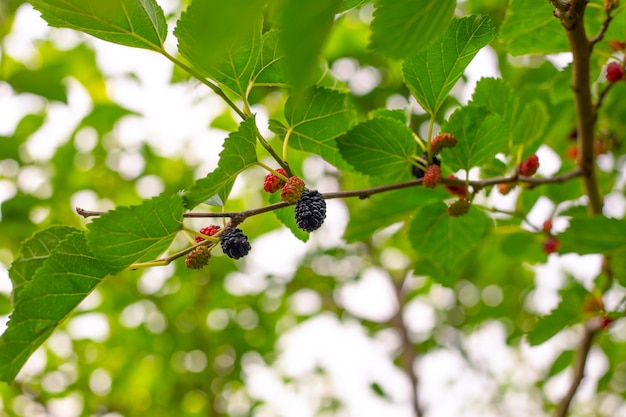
(310,211)
(235,244)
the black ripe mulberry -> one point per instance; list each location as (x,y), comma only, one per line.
(419,172)
(310,211)
(235,244)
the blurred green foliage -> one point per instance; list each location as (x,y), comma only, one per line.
(176,341)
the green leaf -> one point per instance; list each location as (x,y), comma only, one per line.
(315,120)
(127,235)
(446,241)
(618,265)
(565,359)
(225,121)
(523,245)
(402,28)
(593,235)
(526,124)
(287,216)
(104,116)
(350,4)
(398,114)
(29,124)
(69,274)
(269,71)
(431,74)
(530,126)
(531,28)
(379,391)
(617,28)
(33,252)
(480,136)
(380,147)
(498,96)
(238,154)
(567,313)
(222,39)
(137,23)
(10,146)
(303,28)
(5,304)
(46,82)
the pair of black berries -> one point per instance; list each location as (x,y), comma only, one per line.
(234,244)
(310,215)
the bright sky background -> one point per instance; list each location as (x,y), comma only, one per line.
(174,121)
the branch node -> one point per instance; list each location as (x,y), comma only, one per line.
(236,219)
(560,5)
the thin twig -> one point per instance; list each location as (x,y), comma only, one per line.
(600,100)
(408,356)
(282,162)
(517,214)
(239,216)
(605,25)
(169,259)
(590,329)
(217,90)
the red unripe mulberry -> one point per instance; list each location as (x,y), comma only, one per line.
(209,231)
(432,176)
(528,167)
(292,191)
(454,189)
(551,245)
(442,140)
(614,72)
(273,183)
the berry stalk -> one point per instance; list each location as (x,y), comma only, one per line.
(276,172)
(280,161)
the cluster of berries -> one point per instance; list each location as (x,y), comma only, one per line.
(599,148)
(604,142)
(310,213)
(431,173)
(551,244)
(200,255)
(527,168)
(310,204)
(431,176)
(462,205)
(233,242)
